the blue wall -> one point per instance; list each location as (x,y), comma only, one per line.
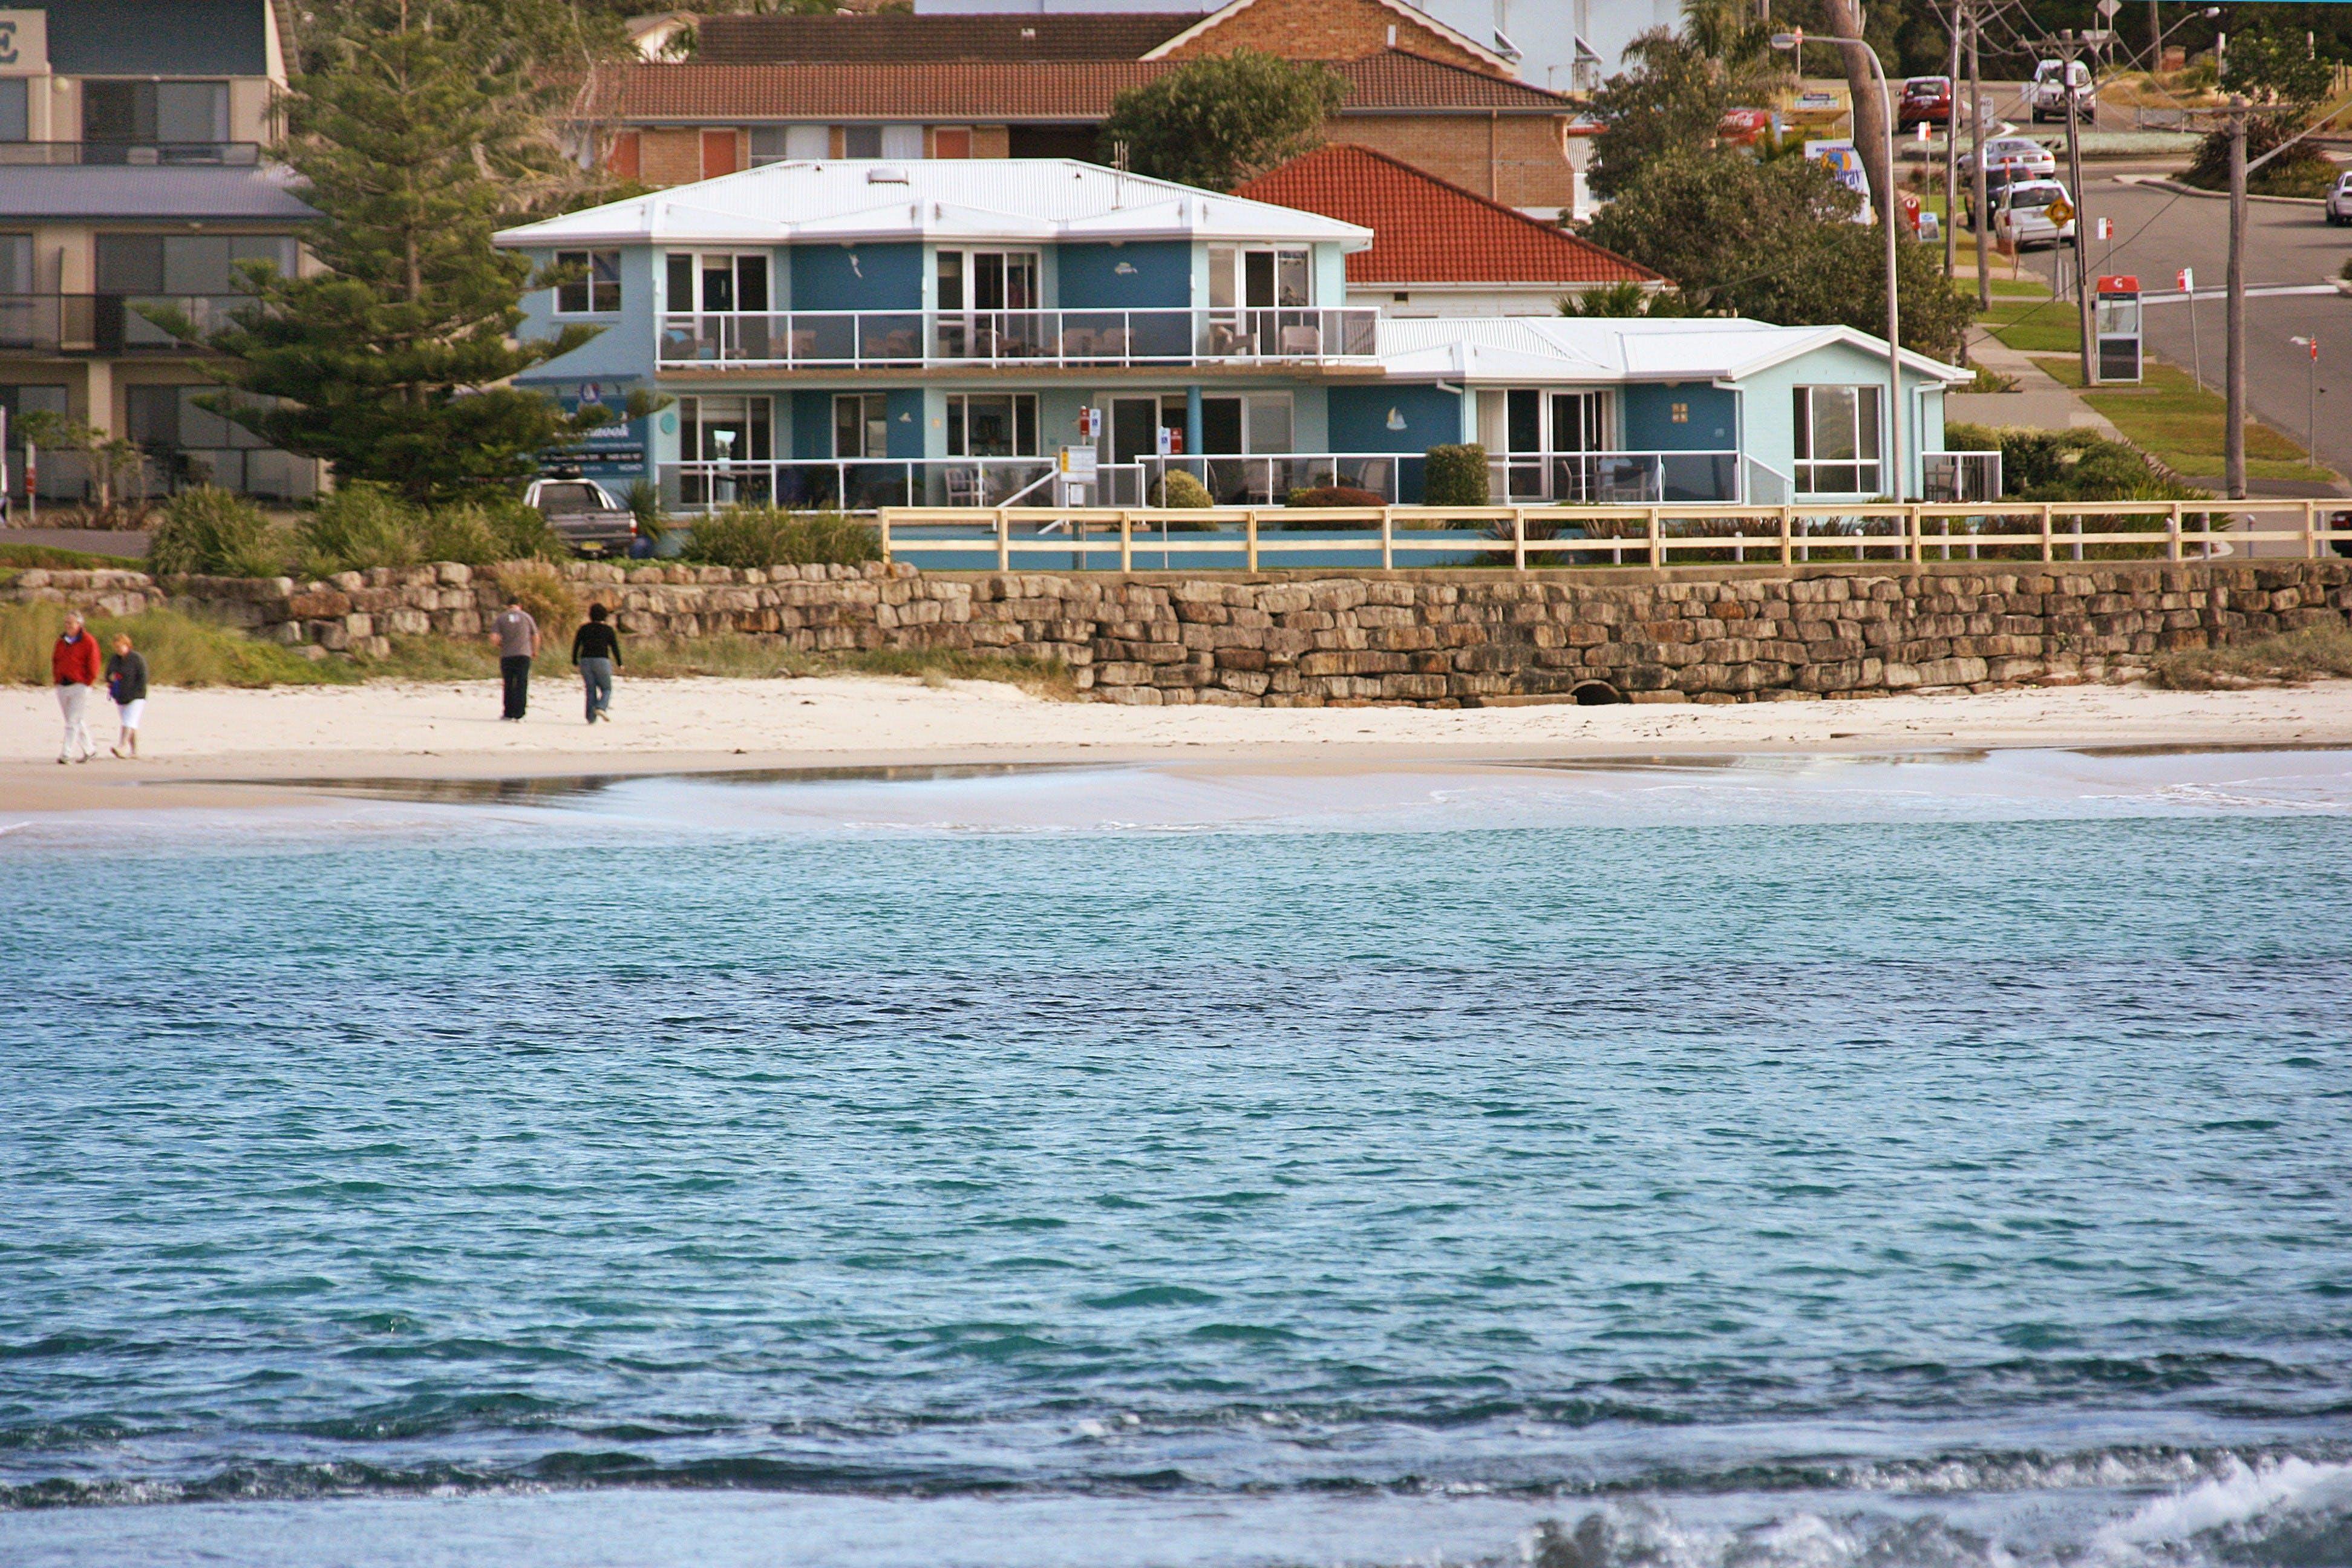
(905,408)
(1360,418)
(857,278)
(1158,275)
(1649,418)
(811,422)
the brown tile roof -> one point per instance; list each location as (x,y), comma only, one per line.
(999,90)
(1428,231)
(897,37)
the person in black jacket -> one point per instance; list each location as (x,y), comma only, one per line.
(126,682)
(596,650)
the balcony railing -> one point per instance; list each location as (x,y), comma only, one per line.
(1960,476)
(892,340)
(1635,479)
(108,324)
(175,154)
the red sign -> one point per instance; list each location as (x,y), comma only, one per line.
(2125,284)
(1744,127)
(1909,206)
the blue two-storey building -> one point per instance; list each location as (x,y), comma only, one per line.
(861,333)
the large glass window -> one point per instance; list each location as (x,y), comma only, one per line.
(861,142)
(594,287)
(16,263)
(167,113)
(988,281)
(186,263)
(15,123)
(861,425)
(716,283)
(1259,278)
(1002,424)
(1837,447)
(713,430)
(1258,423)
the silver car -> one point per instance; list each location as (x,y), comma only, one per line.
(2339,200)
(2021,215)
(2017,157)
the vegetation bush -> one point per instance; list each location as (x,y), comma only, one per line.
(213,534)
(2077,464)
(2290,659)
(523,532)
(547,595)
(361,525)
(180,649)
(1179,489)
(644,503)
(1221,120)
(466,534)
(1454,475)
(763,536)
(1336,495)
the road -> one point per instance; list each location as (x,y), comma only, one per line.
(2158,232)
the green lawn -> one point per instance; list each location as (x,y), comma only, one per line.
(2033,322)
(2182,424)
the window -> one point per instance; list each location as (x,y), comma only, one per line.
(861,142)
(770,144)
(710,429)
(1837,440)
(902,142)
(1259,278)
(725,280)
(15,121)
(594,287)
(988,281)
(810,142)
(717,154)
(186,263)
(154,112)
(1002,425)
(861,425)
(1259,423)
(626,155)
(16,263)
(952,141)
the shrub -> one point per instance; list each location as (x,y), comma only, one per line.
(1454,476)
(546,593)
(764,536)
(1336,495)
(464,532)
(213,534)
(644,503)
(1179,489)
(181,649)
(359,526)
(523,532)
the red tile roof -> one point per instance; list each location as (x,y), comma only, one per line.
(1428,231)
(899,37)
(1001,90)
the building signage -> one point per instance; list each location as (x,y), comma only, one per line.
(609,451)
(24,43)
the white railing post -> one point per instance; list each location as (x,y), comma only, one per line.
(1003,539)
(1519,538)
(1127,542)
(1388,539)
(2172,534)
(1250,526)
(2311,531)
(1657,540)
(1786,553)
(2049,554)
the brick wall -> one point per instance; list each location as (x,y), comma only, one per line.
(669,157)
(1326,30)
(1520,161)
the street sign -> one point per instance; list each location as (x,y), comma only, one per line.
(2103,229)
(2061,211)
(2109,7)
(2186,279)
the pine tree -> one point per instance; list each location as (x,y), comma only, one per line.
(417,143)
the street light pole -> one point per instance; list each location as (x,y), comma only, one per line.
(2233,440)
(1889,208)
(1952,143)
(1976,203)
(2067,44)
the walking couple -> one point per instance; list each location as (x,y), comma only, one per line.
(595,650)
(74,667)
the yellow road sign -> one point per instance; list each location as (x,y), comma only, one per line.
(2061,211)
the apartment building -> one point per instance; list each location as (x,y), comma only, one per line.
(132,176)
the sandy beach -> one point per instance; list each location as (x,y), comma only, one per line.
(205,744)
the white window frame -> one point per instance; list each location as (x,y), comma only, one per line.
(1251,402)
(702,262)
(758,426)
(867,420)
(968,278)
(1866,468)
(1229,277)
(957,409)
(590,294)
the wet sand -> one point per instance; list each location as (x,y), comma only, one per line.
(215,747)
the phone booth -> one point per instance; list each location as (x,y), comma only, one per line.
(2114,319)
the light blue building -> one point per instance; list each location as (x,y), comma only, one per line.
(943,332)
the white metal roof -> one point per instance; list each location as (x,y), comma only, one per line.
(844,200)
(1631,349)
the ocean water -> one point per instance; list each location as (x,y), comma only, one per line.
(1938,1161)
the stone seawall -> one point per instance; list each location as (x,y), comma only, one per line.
(1699,634)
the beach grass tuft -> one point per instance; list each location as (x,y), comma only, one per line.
(180,651)
(2289,659)
(52,558)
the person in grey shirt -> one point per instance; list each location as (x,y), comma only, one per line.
(517,636)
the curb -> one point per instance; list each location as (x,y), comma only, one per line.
(2158,182)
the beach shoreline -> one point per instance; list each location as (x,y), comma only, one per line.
(218,747)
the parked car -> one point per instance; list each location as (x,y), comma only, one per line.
(2020,214)
(2052,80)
(2017,157)
(1927,100)
(2339,200)
(583,514)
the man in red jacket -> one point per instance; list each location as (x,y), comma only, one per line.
(73,665)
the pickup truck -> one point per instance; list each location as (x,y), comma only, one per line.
(2056,85)
(583,514)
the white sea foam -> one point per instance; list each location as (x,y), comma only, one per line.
(2241,1495)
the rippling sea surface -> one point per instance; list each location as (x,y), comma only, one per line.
(1926,1160)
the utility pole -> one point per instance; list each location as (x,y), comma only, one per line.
(1952,147)
(2067,45)
(2233,440)
(2155,39)
(1976,158)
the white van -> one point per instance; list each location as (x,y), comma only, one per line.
(2052,84)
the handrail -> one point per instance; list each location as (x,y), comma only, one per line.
(1073,337)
